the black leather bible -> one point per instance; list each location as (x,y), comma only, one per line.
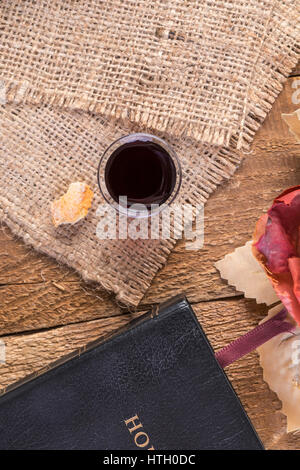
(155,385)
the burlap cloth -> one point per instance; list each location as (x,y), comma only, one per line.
(75,75)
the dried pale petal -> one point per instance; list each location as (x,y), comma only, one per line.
(280,360)
(293,122)
(243,271)
(73,205)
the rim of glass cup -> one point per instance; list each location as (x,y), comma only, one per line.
(129,211)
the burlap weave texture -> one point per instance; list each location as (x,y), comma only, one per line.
(208,69)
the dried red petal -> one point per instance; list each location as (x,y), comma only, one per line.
(294,265)
(288,195)
(276,247)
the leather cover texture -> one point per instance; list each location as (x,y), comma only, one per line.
(154,385)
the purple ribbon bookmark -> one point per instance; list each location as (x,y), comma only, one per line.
(254,338)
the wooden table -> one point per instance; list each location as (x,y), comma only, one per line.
(47,310)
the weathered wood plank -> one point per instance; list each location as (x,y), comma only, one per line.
(222,321)
(20,263)
(48,304)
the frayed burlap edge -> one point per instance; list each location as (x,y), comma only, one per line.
(258,108)
(255,111)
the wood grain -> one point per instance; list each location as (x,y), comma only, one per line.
(47,311)
(42,305)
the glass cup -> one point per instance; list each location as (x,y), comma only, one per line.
(139,175)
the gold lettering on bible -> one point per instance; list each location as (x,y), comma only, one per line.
(140,437)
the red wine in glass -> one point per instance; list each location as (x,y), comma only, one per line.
(141,167)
